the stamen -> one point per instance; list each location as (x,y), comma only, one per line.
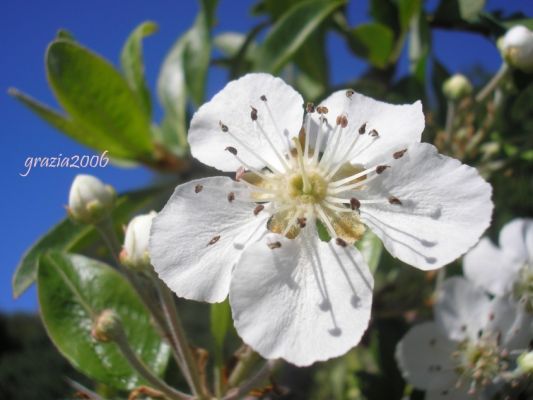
(284,138)
(319,138)
(305,178)
(330,147)
(361,174)
(350,93)
(198,188)
(373,133)
(395,201)
(353,186)
(274,149)
(302,222)
(355,204)
(310,108)
(362,129)
(274,245)
(399,154)
(233,151)
(231,196)
(258,209)
(307,135)
(253,114)
(381,168)
(214,240)
(324,218)
(341,242)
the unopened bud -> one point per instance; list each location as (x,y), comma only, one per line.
(135,250)
(525,362)
(456,87)
(106,326)
(517,48)
(90,199)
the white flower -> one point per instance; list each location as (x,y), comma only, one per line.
(517,48)
(135,251)
(89,199)
(468,347)
(507,269)
(293,295)
(456,87)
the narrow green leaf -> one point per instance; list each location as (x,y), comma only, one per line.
(230,43)
(72,237)
(407,9)
(220,323)
(131,59)
(290,32)
(97,97)
(72,291)
(373,41)
(371,248)
(527,22)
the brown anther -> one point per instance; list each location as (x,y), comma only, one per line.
(381,168)
(232,150)
(310,107)
(274,245)
(258,209)
(349,93)
(342,121)
(399,154)
(362,129)
(373,133)
(231,196)
(341,242)
(239,173)
(355,204)
(322,110)
(302,222)
(395,201)
(223,127)
(198,188)
(263,98)
(213,240)
(253,114)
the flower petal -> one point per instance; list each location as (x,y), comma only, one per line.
(396,125)
(302,300)
(511,323)
(424,356)
(199,235)
(444,207)
(461,309)
(451,393)
(492,269)
(516,240)
(280,116)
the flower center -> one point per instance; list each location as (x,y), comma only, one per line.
(523,288)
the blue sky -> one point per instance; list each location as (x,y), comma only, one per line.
(31,205)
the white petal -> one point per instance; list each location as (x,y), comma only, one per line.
(511,322)
(397,125)
(305,301)
(232,107)
(461,309)
(424,356)
(516,240)
(445,207)
(492,269)
(184,248)
(449,394)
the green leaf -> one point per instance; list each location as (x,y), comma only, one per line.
(374,42)
(72,291)
(527,22)
(290,32)
(454,10)
(407,9)
(184,74)
(65,34)
(230,43)
(73,237)
(371,248)
(220,323)
(97,97)
(132,63)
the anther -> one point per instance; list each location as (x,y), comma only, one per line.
(310,107)
(223,127)
(258,209)
(239,173)
(374,133)
(198,188)
(349,93)
(232,150)
(322,110)
(253,114)
(231,196)
(341,242)
(381,168)
(342,121)
(263,98)
(355,204)
(274,245)
(302,222)
(362,129)
(394,200)
(213,240)
(399,154)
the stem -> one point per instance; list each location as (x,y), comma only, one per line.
(254,381)
(241,370)
(80,388)
(493,83)
(148,375)
(441,275)
(450,116)
(107,231)
(187,361)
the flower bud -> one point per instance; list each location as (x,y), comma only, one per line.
(525,362)
(106,326)
(517,48)
(456,87)
(135,250)
(89,199)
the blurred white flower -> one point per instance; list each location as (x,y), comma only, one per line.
(135,250)
(468,347)
(90,199)
(456,87)
(507,269)
(517,48)
(354,163)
